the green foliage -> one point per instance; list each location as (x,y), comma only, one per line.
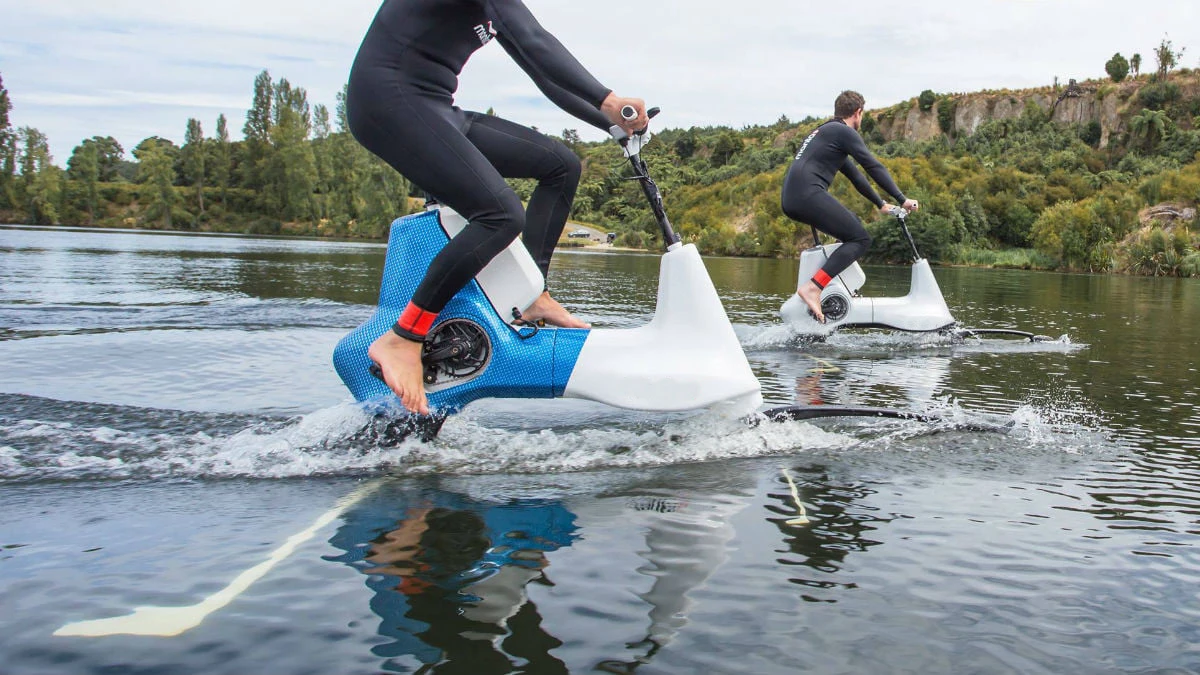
(156,172)
(1083,233)
(40,187)
(83,170)
(1158,95)
(1117,67)
(1167,58)
(946,108)
(8,152)
(926,100)
(1190,265)
(192,159)
(1151,127)
(1158,253)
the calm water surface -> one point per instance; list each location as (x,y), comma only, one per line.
(172,435)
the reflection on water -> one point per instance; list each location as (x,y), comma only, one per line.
(449,576)
(837,528)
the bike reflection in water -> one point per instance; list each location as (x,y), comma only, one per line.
(839,523)
(449,575)
(688,534)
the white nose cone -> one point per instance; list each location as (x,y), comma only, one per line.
(687,357)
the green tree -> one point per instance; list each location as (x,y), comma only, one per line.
(1167,58)
(384,194)
(571,139)
(192,159)
(725,146)
(1117,67)
(343,125)
(109,155)
(1151,126)
(926,100)
(1135,64)
(41,182)
(291,169)
(222,155)
(322,146)
(156,170)
(257,131)
(8,152)
(83,168)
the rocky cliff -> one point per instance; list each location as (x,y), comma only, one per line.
(1108,104)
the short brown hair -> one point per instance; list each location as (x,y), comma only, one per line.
(847,103)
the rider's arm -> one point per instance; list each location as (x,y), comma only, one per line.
(564,99)
(860,183)
(542,56)
(878,172)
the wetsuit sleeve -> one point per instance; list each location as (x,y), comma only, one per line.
(564,99)
(542,56)
(857,148)
(860,183)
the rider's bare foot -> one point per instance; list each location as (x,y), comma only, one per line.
(810,293)
(400,361)
(547,309)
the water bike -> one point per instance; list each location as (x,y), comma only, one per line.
(687,357)
(923,310)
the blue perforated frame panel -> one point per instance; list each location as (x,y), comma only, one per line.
(537,366)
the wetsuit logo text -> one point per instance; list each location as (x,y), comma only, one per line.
(808,140)
(485,33)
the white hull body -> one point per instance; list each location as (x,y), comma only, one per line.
(687,356)
(922,310)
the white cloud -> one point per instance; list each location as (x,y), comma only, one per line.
(137,68)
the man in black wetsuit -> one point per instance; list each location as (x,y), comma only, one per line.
(400,106)
(806,197)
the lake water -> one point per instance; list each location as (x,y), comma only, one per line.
(173,436)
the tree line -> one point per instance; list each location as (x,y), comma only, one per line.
(1023,191)
(296,170)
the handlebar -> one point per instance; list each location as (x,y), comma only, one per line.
(632,146)
(899,212)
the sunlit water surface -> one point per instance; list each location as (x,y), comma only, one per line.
(172,435)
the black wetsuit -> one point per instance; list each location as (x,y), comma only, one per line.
(400,106)
(806,198)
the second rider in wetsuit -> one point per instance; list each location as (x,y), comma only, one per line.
(400,106)
(806,198)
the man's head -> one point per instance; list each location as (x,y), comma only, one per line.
(848,107)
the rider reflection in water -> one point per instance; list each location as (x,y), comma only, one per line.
(806,197)
(400,106)
(449,579)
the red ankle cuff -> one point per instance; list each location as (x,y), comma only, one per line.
(414,322)
(821,279)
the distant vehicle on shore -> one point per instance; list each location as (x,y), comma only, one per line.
(579,234)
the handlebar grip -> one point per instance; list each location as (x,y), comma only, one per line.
(629,113)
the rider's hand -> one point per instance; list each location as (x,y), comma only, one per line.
(911,205)
(612,110)
(886,209)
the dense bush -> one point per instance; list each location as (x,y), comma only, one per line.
(1117,67)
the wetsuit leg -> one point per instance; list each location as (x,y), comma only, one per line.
(422,139)
(824,212)
(520,152)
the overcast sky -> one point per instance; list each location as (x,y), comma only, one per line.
(138,68)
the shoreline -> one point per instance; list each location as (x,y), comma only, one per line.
(568,245)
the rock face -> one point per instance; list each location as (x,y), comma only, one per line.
(1102,102)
